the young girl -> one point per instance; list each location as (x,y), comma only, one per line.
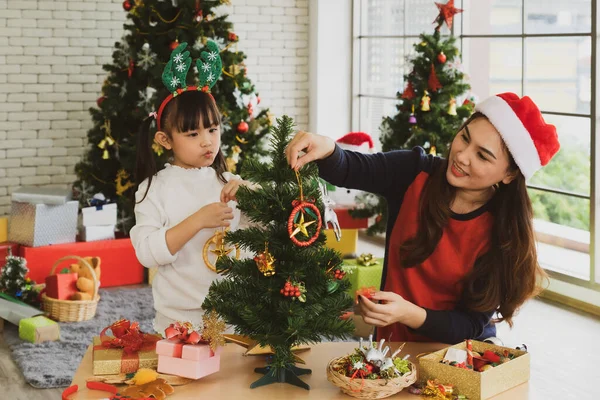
(179,208)
(460,244)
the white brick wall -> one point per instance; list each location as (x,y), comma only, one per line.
(51,52)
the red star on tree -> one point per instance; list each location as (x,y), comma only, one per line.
(447,12)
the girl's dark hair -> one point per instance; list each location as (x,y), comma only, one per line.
(508,274)
(190,110)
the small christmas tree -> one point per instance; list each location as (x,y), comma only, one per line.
(14,283)
(429,113)
(293,291)
(133,88)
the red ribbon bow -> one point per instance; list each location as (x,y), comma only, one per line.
(184,332)
(127,336)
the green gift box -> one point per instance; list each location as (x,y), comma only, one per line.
(360,275)
(38,329)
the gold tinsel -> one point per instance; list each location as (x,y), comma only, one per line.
(213,330)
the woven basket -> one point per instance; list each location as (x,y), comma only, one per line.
(71,310)
(371,388)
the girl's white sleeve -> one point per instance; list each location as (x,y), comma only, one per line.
(149,233)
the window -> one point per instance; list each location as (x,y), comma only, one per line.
(540,48)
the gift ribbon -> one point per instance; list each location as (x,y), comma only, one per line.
(129,338)
(362,375)
(366,260)
(185,333)
(97,202)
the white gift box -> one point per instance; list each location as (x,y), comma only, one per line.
(107,215)
(43,216)
(99,232)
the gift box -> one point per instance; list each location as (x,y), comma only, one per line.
(42,216)
(348,242)
(120,265)
(193,361)
(110,361)
(363,275)
(61,286)
(346,221)
(97,232)
(477,385)
(39,329)
(104,214)
(3,229)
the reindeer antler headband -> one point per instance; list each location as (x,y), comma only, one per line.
(174,75)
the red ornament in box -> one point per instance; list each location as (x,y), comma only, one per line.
(61,286)
(120,265)
(243,127)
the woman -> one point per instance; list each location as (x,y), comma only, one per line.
(460,244)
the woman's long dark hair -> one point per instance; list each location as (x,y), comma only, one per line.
(508,274)
(188,111)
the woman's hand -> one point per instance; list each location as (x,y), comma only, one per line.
(392,309)
(230,189)
(315,147)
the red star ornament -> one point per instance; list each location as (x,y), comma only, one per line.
(447,12)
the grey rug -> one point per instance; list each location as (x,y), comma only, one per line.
(53,364)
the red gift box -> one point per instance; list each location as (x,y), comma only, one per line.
(61,286)
(119,263)
(347,222)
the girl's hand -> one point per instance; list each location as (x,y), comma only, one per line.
(392,309)
(230,189)
(315,147)
(214,215)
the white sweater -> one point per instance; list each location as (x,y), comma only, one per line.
(182,279)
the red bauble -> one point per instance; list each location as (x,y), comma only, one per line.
(100,101)
(243,127)
(127,5)
(233,37)
(441,57)
(174,45)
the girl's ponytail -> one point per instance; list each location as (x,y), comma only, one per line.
(145,164)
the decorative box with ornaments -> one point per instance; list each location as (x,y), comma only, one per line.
(192,352)
(474,369)
(372,372)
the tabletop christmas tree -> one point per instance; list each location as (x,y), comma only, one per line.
(14,283)
(133,89)
(293,291)
(429,112)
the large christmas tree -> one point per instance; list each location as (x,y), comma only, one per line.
(429,113)
(134,88)
(292,292)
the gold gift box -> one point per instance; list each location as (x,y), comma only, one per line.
(347,244)
(477,385)
(110,361)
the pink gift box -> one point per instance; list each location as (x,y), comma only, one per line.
(188,368)
(192,361)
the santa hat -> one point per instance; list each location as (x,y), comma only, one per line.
(531,141)
(356,141)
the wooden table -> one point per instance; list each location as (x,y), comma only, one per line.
(237,373)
